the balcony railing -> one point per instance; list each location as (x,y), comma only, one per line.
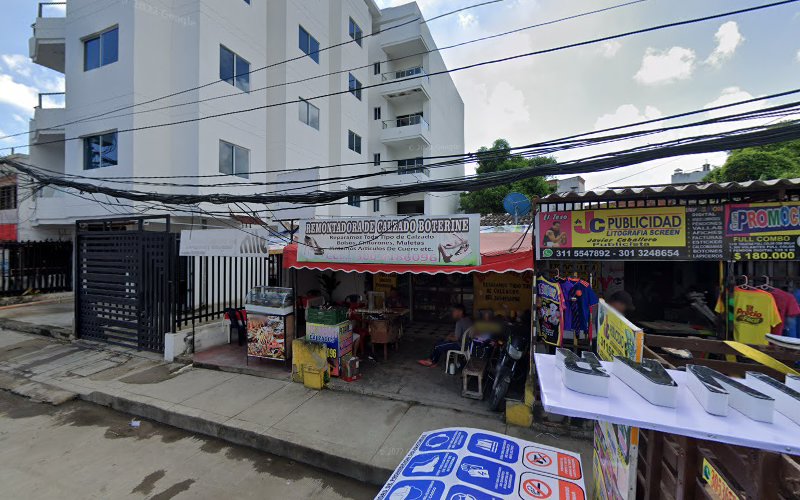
(404,73)
(52,9)
(406,121)
(52,100)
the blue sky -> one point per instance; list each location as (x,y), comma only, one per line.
(553,95)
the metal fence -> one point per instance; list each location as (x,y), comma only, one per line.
(209,285)
(35,266)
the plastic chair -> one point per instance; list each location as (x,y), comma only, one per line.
(465,351)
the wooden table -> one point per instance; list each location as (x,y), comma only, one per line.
(383,331)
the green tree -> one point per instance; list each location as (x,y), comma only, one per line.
(497,158)
(773,161)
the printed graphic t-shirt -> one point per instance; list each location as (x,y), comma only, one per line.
(755,315)
(787,307)
(550,311)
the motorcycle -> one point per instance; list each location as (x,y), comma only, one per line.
(512,366)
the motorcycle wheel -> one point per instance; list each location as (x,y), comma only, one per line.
(499,392)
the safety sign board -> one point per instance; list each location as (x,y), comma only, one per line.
(471,464)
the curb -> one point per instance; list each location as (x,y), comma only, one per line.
(56,332)
(243,437)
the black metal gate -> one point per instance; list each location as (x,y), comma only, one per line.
(124,291)
(35,266)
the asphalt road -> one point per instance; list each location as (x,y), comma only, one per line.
(79,451)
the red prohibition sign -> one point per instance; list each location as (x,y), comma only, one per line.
(537,489)
(539,458)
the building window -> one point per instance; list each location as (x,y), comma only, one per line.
(354,86)
(354,200)
(101,50)
(234,69)
(100,151)
(309,45)
(355,32)
(376,68)
(234,160)
(376,205)
(8,197)
(410,166)
(376,159)
(353,141)
(376,113)
(309,114)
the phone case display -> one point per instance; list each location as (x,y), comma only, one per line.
(270,300)
(337,338)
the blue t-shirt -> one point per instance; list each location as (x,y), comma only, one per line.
(579,301)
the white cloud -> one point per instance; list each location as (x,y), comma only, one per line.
(16,94)
(609,49)
(730,95)
(798,56)
(467,20)
(662,67)
(627,113)
(17,63)
(19,119)
(728,40)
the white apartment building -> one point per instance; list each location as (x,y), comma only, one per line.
(118,54)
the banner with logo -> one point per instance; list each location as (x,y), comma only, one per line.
(252,242)
(649,233)
(616,447)
(508,294)
(763,231)
(452,240)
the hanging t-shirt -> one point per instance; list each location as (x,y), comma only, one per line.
(755,314)
(566,288)
(578,303)
(787,308)
(550,304)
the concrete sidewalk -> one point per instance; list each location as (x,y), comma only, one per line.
(358,436)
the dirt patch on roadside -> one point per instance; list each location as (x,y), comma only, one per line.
(154,375)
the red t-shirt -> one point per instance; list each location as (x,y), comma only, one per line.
(787,307)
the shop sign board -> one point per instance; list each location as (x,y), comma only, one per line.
(508,294)
(466,463)
(382,282)
(719,486)
(616,446)
(252,242)
(650,233)
(763,231)
(452,240)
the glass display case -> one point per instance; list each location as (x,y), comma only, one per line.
(270,322)
(270,300)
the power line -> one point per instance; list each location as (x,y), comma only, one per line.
(272,65)
(303,80)
(753,136)
(446,71)
(538,149)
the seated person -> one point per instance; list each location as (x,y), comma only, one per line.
(453,341)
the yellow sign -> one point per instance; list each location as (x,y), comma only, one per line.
(717,483)
(503,292)
(616,336)
(616,446)
(640,227)
(382,282)
(760,357)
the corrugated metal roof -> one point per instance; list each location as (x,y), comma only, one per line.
(677,190)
